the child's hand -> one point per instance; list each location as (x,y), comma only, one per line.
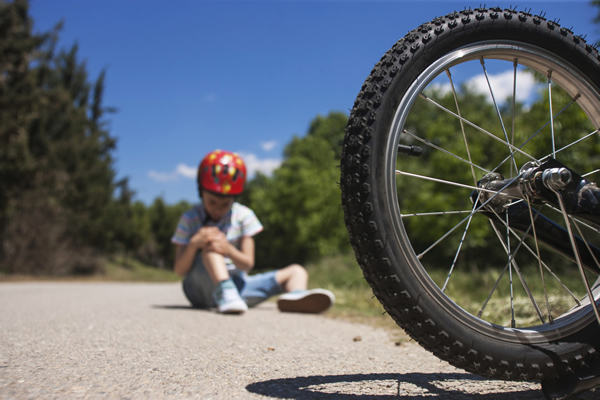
(205,236)
(219,245)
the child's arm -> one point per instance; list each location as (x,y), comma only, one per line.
(184,256)
(242,258)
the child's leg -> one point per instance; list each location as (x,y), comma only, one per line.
(207,286)
(198,286)
(292,278)
(226,294)
(258,288)
(215,266)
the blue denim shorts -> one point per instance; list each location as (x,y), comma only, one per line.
(254,289)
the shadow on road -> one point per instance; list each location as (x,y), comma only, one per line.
(267,306)
(177,307)
(386,386)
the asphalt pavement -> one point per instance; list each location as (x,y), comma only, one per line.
(134,341)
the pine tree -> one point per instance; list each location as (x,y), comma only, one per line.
(56,168)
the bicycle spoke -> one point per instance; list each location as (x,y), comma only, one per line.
(514,102)
(498,112)
(420,139)
(462,125)
(480,313)
(576,219)
(551,119)
(539,257)
(435,213)
(587,244)
(569,145)
(511,261)
(429,178)
(462,240)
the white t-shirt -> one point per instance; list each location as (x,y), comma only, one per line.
(238,222)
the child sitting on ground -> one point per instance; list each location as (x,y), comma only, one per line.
(215,249)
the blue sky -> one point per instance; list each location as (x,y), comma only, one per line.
(190,76)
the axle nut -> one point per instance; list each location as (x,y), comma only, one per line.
(556,178)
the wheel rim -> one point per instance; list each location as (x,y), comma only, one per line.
(565,79)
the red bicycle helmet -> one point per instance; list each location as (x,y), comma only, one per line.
(222,172)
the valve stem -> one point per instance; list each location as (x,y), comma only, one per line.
(413,151)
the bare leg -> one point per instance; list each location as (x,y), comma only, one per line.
(215,266)
(293,277)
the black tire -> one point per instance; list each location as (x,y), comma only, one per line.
(373,197)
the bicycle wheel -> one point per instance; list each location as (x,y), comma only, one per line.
(465,99)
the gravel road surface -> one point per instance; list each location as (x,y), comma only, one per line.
(132,341)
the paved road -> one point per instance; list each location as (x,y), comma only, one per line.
(132,341)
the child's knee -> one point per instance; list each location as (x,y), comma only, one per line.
(298,270)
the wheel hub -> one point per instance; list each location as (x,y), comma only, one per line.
(542,183)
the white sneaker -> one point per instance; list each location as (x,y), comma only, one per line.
(229,301)
(306,301)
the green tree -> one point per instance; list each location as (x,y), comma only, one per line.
(56,167)
(20,101)
(163,221)
(300,204)
(126,223)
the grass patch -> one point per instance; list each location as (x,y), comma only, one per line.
(355,300)
(131,270)
(116,269)
(470,291)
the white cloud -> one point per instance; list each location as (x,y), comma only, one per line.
(502,85)
(254,164)
(441,88)
(162,176)
(186,171)
(268,146)
(181,170)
